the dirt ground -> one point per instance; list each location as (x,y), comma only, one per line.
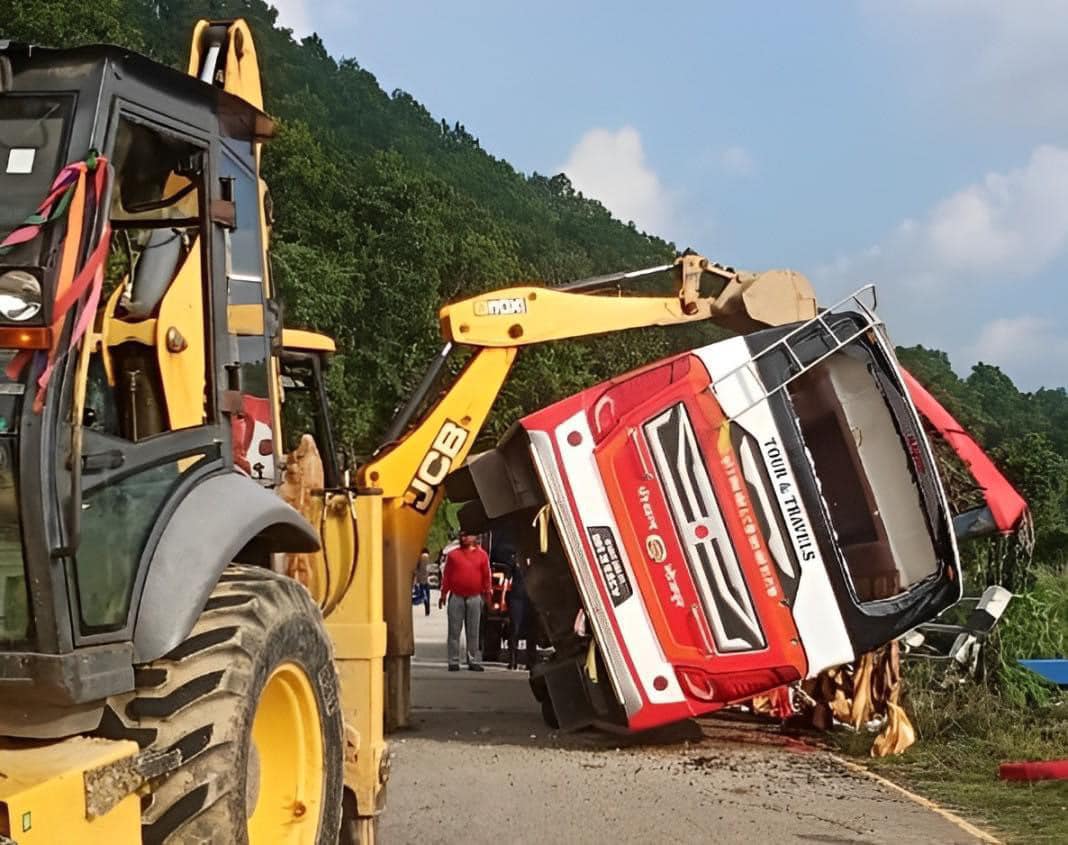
(480,766)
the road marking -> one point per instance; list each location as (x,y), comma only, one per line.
(927,803)
(489,667)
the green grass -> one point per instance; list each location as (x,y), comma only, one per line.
(965,730)
(962,737)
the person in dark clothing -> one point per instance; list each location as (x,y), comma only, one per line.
(521,615)
(422,579)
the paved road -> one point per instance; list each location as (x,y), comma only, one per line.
(479,766)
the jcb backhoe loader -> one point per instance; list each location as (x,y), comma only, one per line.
(161,678)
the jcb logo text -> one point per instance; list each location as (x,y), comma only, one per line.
(436,464)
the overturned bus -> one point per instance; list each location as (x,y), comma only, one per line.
(721,522)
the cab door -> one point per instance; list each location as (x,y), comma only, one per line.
(149,425)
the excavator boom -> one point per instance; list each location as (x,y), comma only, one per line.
(521,316)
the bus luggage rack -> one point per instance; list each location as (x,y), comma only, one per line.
(818,328)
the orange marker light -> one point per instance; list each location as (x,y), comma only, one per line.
(25,337)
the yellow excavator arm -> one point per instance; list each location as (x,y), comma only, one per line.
(521,316)
(224,54)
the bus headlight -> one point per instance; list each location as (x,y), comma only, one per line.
(20,296)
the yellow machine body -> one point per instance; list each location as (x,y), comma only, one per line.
(50,792)
(345,577)
(78,790)
(410,476)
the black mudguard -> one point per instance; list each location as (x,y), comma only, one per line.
(223,519)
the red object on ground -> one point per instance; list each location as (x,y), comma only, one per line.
(1006,505)
(1038,770)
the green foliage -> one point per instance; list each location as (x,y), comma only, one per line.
(1035,625)
(69,24)
(1040,473)
(444,528)
(964,730)
(1027,436)
(963,734)
(385,212)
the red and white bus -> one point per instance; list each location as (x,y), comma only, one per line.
(722,522)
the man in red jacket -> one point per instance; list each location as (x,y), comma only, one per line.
(464,585)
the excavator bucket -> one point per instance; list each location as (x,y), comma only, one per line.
(770,298)
(765,302)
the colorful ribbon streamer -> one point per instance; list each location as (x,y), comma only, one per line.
(89,279)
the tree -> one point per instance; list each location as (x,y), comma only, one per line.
(1040,473)
(54,24)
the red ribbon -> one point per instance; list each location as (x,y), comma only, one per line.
(50,208)
(90,278)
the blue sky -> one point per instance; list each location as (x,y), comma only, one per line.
(919,145)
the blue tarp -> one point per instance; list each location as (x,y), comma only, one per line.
(1055,671)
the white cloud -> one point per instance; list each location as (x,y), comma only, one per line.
(737,161)
(1010,224)
(610,166)
(293,14)
(958,276)
(1026,344)
(993,54)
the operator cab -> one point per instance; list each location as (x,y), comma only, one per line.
(162,371)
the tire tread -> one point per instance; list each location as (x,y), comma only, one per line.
(196,699)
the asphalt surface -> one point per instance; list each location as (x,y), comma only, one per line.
(479,766)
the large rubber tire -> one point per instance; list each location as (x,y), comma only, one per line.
(202,699)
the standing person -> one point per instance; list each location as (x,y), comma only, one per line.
(422,582)
(521,615)
(465,585)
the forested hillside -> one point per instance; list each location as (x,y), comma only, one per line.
(1025,433)
(385,211)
